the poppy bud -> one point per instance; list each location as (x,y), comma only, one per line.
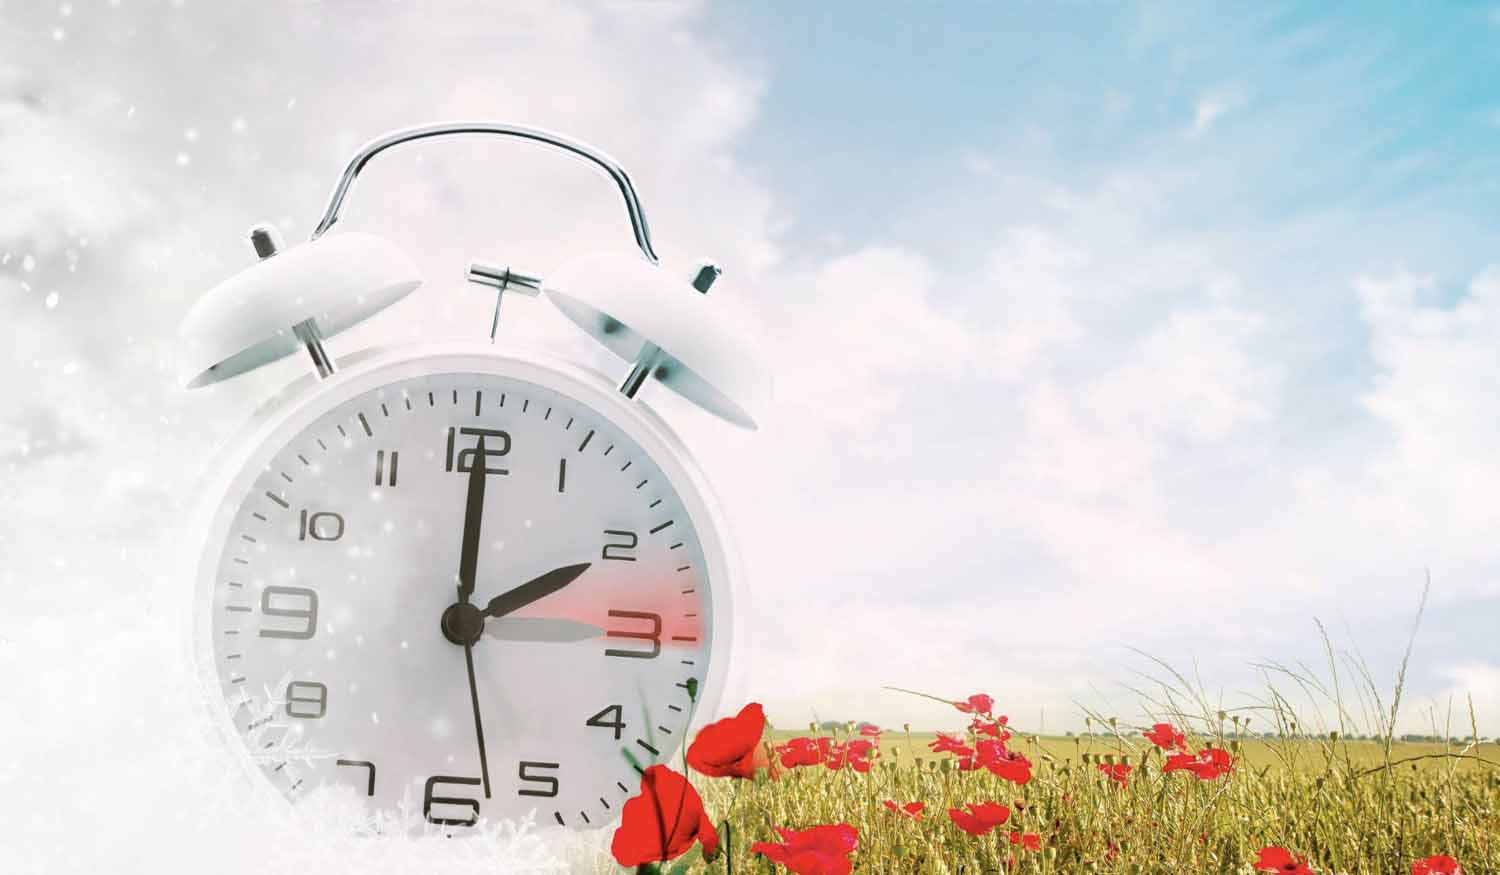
(1111,723)
(906,727)
(1109,759)
(1334,735)
(1222,716)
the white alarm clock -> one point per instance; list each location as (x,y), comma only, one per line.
(441,575)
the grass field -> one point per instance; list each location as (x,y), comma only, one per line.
(1334,802)
(1330,782)
(1303,754)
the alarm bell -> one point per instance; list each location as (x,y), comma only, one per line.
(667,328)
(289,300)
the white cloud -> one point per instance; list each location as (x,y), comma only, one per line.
(1434,392)
(1031,274)
(1475,683)
(1193,375)
(1206,111)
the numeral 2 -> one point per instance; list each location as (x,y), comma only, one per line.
(620,542)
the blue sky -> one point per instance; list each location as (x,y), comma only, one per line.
(1305,108)
(1096,326)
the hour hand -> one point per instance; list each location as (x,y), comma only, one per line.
(532,590)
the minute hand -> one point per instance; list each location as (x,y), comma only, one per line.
(532,590)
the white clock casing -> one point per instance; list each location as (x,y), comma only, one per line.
(591,776)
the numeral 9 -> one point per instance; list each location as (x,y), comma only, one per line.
(307,615)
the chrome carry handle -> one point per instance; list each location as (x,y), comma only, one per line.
(442,129)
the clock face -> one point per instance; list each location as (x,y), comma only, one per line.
(578,604)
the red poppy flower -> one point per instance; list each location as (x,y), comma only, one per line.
(1274,859)
(1117,772)
(820,850)
(979,703)
(1030,841)
(1441,864)
(1210,763)
(1166,737)
(663,822)
(980,818)
(799,752)
(832,753)
(1011,766)
(910,809)
(950,742)
(728,748)
(857,751)
(992,728)
(870,730)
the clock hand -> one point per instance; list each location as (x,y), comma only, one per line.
(484,765)
(543,630)
(468,557)
(534,589)
(468,563)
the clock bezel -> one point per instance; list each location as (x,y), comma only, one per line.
(244,456)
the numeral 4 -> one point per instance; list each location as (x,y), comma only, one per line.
(617,724)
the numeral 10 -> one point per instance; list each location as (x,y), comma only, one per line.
(320,526)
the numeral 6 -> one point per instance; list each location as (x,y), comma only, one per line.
(429,800)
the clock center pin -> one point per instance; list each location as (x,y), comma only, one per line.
(462,623)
